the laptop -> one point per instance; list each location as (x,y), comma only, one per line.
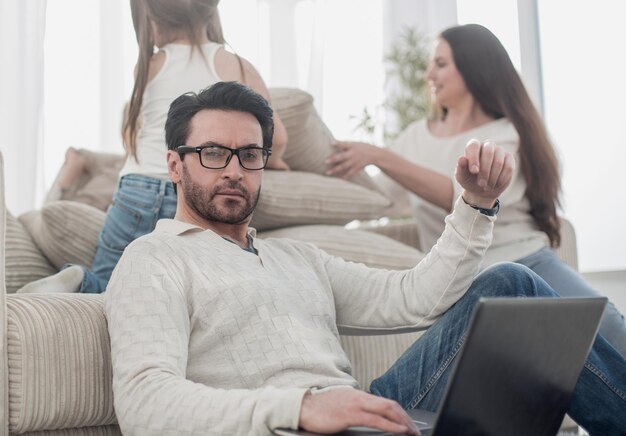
(516,372)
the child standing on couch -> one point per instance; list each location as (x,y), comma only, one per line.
(190,57)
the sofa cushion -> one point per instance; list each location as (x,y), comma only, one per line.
(290,198)
(309,139)
(59,363)
(354,245)
(65,231)
(24,260)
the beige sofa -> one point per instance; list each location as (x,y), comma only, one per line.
(54,354)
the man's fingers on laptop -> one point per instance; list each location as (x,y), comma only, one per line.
(381,423)
(392,411)
(336,410)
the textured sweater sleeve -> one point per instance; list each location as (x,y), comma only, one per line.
(149,325)
(388,300)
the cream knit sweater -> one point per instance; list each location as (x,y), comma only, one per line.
(516,235)
(210,339)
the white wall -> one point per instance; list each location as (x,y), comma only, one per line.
(584,65)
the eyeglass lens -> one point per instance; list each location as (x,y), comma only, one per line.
(249,158)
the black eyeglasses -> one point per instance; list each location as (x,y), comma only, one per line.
(216,157)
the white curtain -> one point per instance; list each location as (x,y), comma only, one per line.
(22,28)
(90,52)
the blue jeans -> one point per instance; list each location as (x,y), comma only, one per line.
(140,201)
(420,376)
(569,283)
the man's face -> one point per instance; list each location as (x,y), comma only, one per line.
(228,195)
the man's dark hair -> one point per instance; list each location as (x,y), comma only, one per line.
(226,96)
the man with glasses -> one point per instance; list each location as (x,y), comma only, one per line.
(216,332)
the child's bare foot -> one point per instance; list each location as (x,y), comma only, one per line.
(72,168)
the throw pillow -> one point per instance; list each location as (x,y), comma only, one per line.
(24,262)
(290,198)
(372,249)
(309,139)
(65,231)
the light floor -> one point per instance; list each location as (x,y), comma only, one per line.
(612,284)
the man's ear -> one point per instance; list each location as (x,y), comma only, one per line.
(174,166)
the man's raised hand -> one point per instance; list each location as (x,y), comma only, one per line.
(484,172)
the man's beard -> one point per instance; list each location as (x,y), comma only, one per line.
(204,202)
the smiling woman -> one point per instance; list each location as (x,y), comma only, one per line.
(477,93)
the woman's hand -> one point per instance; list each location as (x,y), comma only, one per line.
(350,157)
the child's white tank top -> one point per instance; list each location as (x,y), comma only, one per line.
(182,71)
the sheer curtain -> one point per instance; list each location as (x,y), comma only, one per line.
(22,26)
(90,52)
(82,47)
(331,49)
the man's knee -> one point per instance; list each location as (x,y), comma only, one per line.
(508,279)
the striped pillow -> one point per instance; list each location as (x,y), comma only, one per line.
(65,231)
(308,138)
(372,249)
(290,198)
(24,261)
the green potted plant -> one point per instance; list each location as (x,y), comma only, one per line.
(408,100)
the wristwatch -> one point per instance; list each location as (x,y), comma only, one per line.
(489,212)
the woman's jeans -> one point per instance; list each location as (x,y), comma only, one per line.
(138,204)
(420,376)
(569,283)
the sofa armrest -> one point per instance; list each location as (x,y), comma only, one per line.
(568,251)
(59,363)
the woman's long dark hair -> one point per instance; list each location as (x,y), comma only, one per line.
(187,17)
(493,81)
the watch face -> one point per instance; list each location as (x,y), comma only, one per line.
(494,210)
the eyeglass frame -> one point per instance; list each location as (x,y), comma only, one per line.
(184,149)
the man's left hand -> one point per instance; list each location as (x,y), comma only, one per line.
(484,172)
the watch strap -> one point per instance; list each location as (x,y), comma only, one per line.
(486,211)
